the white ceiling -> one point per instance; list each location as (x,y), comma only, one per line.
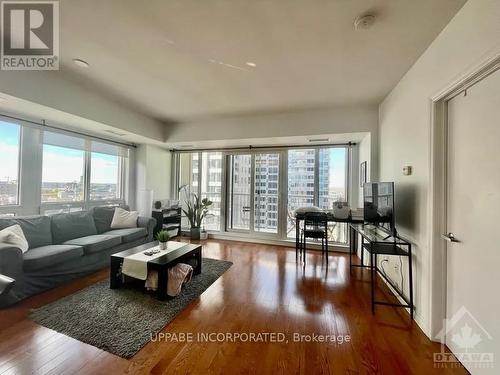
(162,57)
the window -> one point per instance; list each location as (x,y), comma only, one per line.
(106,171)
(62,210)
(207,184)
(333,186)
(62,174)
(249,186)
(301,167)
(317,177)
(266,171)
(211,187)
(10,135)
(76,171)
(105,177)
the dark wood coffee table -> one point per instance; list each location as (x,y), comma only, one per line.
(161,264)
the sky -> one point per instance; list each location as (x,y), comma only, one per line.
(9,151)
(60,164)
(337,167)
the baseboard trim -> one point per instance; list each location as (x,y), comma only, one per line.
(266,241)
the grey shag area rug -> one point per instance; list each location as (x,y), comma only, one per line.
(121,321)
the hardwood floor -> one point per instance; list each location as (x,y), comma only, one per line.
(264,291)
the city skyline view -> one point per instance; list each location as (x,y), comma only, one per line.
(63,170)
(203,173)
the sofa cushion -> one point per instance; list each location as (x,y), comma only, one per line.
(72,225)
(103,216)
(36,229)
(129,235)
(95,243)
(46,256)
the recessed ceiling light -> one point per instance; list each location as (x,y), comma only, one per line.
(363,22)
(252,64)
(81,63)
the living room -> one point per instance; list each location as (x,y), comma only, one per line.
(249,186)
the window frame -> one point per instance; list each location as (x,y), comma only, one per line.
(88,203)
(19,197)
(120,183)
(65,203)
(282,204)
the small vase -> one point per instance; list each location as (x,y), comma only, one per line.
(195,233)
(163,245)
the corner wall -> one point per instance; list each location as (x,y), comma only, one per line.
(471,38)
(153,171)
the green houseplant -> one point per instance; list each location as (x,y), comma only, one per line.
(196,210)
(163,237)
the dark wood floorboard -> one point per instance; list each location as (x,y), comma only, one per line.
(264,291)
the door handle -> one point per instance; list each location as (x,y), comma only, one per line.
(450,237)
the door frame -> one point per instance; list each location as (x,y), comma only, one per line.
(438,186)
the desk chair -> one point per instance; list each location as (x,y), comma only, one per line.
(316,227)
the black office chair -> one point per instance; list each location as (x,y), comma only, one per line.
(316,227)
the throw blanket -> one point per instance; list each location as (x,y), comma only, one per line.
(136,265)
(178,275)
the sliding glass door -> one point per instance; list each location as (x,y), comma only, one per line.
(255,192)
(239,192)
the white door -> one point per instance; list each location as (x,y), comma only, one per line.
(473,217)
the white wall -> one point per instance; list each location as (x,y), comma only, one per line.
(53,89)
(365,154)
(471,38)
(335,120)
(153,171)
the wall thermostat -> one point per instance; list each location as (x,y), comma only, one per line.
(407,170)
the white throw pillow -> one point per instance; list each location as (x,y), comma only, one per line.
(124,219)
(14,236)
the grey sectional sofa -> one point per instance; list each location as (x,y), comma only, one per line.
(64,247)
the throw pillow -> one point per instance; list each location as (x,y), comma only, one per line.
(14,236)
(124,219)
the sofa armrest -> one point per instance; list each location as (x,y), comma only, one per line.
(149,223)
(11,267)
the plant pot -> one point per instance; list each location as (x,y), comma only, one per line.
(163,245)
(195,233)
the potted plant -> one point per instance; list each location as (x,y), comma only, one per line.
(196,210)
(163,237)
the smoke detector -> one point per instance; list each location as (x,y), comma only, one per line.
(364,22)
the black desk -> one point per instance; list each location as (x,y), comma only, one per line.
(375,241)
(330,218)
